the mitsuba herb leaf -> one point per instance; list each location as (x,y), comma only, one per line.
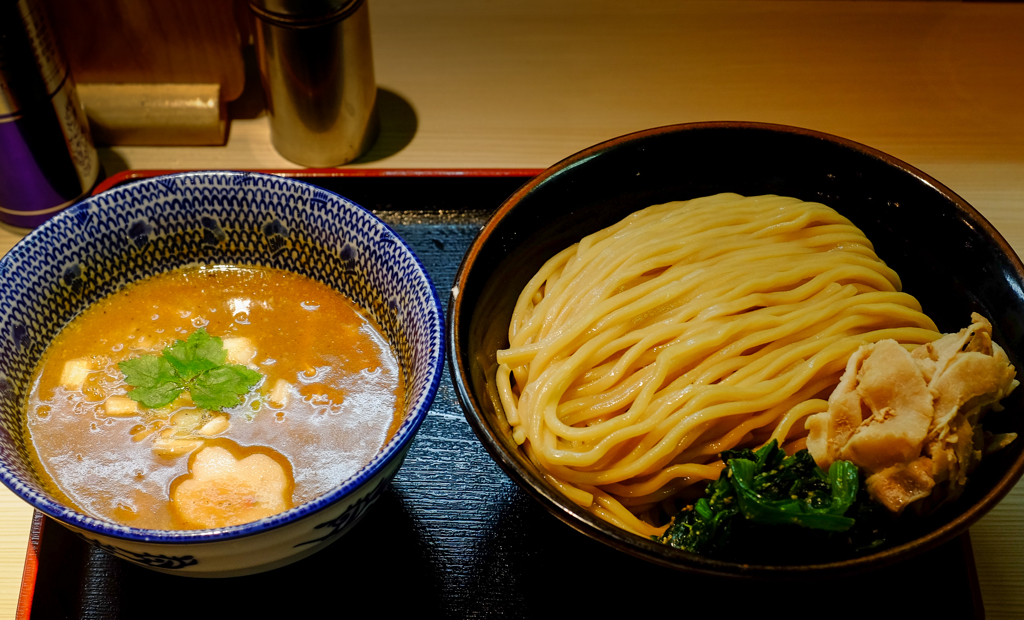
(220,387)
(154,379)
(767,487)
(192,357)
(197,365)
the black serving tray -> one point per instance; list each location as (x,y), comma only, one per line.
(453,536)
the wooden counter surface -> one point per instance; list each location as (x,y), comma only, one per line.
(522,84)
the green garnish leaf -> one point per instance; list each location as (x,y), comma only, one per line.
(221,387)
(192,357)
(154,379)
(196,365)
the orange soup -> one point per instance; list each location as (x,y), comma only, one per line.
(309,389)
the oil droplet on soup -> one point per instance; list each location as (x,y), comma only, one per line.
(330,396)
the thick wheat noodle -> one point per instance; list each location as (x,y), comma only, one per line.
(639,354)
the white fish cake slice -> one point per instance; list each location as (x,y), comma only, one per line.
(223,490)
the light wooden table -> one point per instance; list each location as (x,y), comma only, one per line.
(524,83)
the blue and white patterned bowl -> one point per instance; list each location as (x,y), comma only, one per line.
(152,226)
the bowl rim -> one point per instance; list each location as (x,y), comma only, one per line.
(638,546)
(392,449)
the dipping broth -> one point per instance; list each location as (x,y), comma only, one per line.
(330,397)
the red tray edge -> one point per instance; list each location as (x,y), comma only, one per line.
(134,175)
(31,570)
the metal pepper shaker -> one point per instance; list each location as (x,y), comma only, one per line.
(316,65)
(47,158)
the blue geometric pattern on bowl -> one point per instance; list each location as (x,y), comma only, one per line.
(156,225)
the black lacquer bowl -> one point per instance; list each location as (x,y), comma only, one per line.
(946,253)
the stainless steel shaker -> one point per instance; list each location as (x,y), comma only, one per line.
(317,69)
(47,158)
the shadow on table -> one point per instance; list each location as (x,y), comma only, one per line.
(398,124)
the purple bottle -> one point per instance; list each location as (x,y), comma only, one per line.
(47,158)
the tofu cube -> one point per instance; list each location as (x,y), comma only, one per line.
(120,406)
(240,349)
(75,372)
(279,395)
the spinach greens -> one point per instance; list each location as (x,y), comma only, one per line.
(768,488)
